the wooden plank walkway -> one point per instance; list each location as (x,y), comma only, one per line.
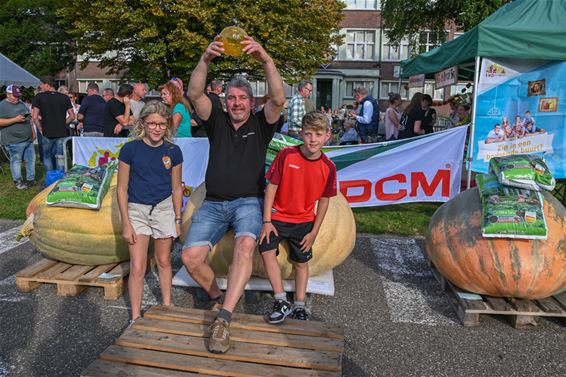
(520,313)
(71,279)
(173,342)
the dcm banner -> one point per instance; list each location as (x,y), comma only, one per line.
(423,169)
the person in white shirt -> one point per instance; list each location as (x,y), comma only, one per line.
(136,100)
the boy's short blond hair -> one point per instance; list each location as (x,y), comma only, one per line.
(315,120)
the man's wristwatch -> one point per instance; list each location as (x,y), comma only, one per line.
(178,220)
(267,221)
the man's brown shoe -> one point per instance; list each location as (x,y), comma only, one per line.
(219,341)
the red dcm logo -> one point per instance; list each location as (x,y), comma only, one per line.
(413,182)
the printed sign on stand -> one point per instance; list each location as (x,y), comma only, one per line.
(417,81)
(446,78)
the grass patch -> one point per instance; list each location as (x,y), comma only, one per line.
(14,202)
(402,219)
(409,219)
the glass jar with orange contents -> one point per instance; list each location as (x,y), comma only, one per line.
(231,37)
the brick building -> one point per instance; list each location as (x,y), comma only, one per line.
(365,58)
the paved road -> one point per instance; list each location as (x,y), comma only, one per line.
(397,321)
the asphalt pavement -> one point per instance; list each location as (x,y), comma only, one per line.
(397,321)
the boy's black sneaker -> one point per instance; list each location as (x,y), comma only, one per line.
(300,313)
(281,309)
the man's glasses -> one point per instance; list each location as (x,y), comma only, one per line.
(154,125)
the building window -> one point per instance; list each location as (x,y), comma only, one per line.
(102,84)
(59,83)
(429,40)
(84,83)
(259,88)
(392,87)
(362,4)
(396,71)
(351,85)
(394,53)
(360,45)
(289,90)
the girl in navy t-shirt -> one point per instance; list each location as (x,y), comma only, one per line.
(149,197)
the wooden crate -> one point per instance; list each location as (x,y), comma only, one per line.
(520,313)
(72,279)
(172,342)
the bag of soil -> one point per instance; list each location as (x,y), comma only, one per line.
(523,171)
(82,187)
(510,212)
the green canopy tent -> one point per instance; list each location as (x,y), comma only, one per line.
(522,29)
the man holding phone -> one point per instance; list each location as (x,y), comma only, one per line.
(17,136)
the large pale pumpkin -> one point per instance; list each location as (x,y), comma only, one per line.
(332,246)
(79,236)
(500,267)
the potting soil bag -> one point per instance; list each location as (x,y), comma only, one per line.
(82,187)
(524,171)
(510,212)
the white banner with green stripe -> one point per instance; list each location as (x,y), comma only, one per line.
(423,169)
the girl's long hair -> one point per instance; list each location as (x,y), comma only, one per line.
(176,96)
(154,107)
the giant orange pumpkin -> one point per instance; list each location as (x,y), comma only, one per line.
(76,235)
(500,267)
(84,236)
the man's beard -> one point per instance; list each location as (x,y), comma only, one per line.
(239,116)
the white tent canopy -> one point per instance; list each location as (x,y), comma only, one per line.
(11,73)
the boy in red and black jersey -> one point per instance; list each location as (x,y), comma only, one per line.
(298,178)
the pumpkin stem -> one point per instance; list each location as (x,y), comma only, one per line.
(26,228)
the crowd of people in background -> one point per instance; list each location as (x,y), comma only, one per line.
(55,113)
(359,123)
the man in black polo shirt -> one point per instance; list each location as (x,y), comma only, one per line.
(235,180)
(56,113)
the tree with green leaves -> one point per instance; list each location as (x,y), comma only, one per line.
(31,37)
(407,18)
(152,40)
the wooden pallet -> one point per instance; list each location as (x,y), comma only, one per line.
(172,342)
(520,313)
(72,279)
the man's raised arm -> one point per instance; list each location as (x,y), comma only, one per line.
(197,83)
(275,89)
